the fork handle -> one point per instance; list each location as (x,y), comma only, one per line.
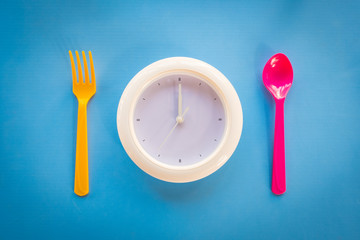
(81,185)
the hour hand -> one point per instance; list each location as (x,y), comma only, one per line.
(179,102)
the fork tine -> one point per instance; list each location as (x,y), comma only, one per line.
(92,69)
(86,71)
(73,70)
(79,67)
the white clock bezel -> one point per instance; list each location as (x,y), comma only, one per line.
(233,116)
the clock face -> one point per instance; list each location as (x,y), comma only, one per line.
(179,119)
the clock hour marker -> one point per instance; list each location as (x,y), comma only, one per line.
(199,84)
(179,79)
(179,160)
(220,119)
(215,140)
(144,99)
(200,155)
(158,155)
(214,99)
(158,84)
(143,140)
(138,119)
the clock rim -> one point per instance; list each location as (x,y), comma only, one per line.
(223,88)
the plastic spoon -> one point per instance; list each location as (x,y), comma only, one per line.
(277,78)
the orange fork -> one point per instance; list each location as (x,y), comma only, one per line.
(83,91)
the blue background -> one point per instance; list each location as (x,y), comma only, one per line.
(38,113)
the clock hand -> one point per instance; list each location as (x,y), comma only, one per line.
(179,102)
(179,119)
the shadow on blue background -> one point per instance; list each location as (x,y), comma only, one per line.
(262,56)
(38,114)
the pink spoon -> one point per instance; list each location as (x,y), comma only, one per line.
(277,78)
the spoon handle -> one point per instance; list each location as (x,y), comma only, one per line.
(278,178)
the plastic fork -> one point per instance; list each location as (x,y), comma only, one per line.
(83,91)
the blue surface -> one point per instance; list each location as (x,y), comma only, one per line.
(38,114)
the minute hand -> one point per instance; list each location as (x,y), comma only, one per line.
(172,130)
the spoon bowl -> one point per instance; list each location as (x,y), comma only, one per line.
(278,75)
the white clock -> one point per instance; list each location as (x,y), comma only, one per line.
(179,119)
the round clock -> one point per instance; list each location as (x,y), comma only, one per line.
(179,119)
